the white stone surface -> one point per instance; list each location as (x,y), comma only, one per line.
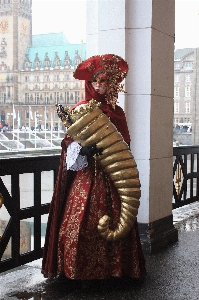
(142,33)
(138,56)
(111,15)
(139,14)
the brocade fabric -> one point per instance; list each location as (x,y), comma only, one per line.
(82,252)
(73,246)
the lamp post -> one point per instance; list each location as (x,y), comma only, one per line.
(8,119)
(25,137)
(37,116)
(38,121)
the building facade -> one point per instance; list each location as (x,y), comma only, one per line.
(186,96)
(36,72)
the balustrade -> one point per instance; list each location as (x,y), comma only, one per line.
(22,249)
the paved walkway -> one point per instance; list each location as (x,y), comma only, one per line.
(172,274)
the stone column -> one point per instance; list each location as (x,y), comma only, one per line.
(142,32)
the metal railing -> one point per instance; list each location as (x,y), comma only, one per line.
(12,233)
(185,191)
(185,175)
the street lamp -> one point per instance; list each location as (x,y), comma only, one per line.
(25,137)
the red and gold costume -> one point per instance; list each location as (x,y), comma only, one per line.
(73,245)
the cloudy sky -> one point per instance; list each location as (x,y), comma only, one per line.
(187,24)
(69,16)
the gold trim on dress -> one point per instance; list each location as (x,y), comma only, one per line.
(90,126)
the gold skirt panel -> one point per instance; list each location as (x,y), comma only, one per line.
(117,161)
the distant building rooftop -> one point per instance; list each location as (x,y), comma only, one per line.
(181,53)
(49,39)
(54,44)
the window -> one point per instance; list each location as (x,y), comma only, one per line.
(77,84)
(186,120)
(36,98)
(176,91)
(176,121)
(187,77)
(177,78)
(76,97)
(67,77)
(177,66)
(188,65)
(46,78)
(3,98)
(66,97)
(37,79)
(56,97)
(56,77)
(56,117)
(176,107)
(46,98)
(71,100)
(27,79)
(27,97)
(27,114)
(187,91)
(47,63)
(187,107)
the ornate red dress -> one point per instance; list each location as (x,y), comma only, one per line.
(73,246)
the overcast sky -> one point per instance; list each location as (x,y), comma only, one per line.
(69,16)
(187,24)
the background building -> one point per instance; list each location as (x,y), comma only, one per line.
(36,71)
(186,96)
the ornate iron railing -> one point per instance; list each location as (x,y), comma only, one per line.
(13,232)
(185,175)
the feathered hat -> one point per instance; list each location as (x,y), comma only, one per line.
(114,66)
(111,64)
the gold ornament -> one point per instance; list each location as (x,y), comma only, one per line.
(90,125)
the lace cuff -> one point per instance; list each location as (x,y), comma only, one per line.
(75,161)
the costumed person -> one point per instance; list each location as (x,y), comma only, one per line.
(92,230)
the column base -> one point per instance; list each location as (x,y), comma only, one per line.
(157,235)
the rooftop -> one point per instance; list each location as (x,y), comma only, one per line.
(49,39)
(54,44)
(181,53)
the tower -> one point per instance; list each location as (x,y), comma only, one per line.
(15,32)
(15,37)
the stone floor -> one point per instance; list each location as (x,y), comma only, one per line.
(172,274)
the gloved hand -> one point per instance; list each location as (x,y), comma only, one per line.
(90,150)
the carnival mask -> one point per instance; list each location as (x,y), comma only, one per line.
(100,83)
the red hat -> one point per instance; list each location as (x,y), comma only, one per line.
(113,65)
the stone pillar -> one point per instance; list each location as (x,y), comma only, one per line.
(142,32)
